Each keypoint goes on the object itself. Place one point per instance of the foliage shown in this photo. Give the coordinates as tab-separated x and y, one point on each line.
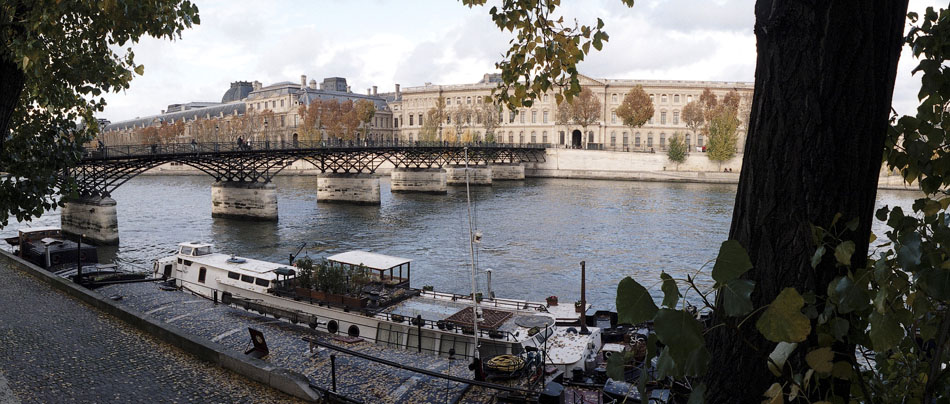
489	114
677	150
461	118
430	126
693	116
883	327
545	53
305	272
313	120
585	109
57	59
722	125
364	111
636	108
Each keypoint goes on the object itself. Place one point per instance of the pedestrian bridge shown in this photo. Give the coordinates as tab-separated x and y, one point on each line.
243	173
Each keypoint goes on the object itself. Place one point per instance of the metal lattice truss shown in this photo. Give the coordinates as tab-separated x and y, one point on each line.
100	175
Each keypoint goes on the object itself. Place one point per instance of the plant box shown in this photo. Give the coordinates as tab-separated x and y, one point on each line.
302	293
334	298
318	295
355	302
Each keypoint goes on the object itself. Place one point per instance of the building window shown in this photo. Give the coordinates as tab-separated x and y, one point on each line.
545	116
613	97
521	137
521	117
511	116
468	100
650	121
662	117
544	137
411	119
689	99
458	100
636	140
652	99
410	138
396	125
511	137
649	140
699	140
663	99
613	116
676	117
676	98
561	136
448	101
534	116
626	139
590	137
613	138
281	103
688	143
534	138
283	120
662	141
545	98
420	119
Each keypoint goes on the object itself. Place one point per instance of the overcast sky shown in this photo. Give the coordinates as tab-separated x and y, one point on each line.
383	42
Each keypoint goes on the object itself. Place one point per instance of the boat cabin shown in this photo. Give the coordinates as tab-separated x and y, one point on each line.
382	268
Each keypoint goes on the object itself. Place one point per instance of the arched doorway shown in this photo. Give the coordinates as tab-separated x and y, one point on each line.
576	139
295	140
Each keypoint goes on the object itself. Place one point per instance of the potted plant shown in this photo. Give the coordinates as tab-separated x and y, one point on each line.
304	277
397	318
478	297
552	301
428	288
578	306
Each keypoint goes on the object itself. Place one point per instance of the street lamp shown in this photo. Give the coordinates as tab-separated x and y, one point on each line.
266	139
215	137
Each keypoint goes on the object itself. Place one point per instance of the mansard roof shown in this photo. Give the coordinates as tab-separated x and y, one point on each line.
189	115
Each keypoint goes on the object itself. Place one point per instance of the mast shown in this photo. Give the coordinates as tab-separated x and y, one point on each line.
471	243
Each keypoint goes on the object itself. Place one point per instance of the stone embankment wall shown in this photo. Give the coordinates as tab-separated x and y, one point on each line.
594	164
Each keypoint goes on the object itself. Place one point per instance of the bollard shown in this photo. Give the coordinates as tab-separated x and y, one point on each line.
333	370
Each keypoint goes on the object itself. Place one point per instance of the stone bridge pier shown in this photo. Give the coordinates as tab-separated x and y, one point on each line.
361	189
421	180
478	175
93	217
244	200
507	171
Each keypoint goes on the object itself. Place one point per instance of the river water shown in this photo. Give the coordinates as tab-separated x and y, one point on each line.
535	232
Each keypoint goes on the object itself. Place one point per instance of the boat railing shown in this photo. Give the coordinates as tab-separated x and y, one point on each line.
510	304
443	326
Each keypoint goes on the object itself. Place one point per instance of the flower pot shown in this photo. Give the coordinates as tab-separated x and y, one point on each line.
552	301
578	308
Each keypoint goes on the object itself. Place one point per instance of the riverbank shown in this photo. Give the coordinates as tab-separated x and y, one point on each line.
590	164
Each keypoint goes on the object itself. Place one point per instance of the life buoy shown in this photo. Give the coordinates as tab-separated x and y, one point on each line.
333	327
56	259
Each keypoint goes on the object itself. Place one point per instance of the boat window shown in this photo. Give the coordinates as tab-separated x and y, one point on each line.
186	250
234	275
187	262
246	278
262	282
179	261
202	273
543	335
203	250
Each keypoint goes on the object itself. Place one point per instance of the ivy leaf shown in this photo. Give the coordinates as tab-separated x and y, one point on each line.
936	282
671	294
698	395
885	333
665	366
783	319
908	254
847	295
843	252
615	366
732	262
839	328
736	297
816	258
841	370
774	394
820	359
779	356
634	303
140	70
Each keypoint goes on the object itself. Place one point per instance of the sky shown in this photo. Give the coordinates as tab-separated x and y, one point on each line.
384	42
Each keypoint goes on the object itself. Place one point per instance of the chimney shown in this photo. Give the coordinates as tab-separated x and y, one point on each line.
303	80
398	94
256	85
369	91
349	89
313	84
374	90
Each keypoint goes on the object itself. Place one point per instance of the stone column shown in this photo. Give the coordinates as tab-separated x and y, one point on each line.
244	200
360	189
507	171
478	175
93	217
424	180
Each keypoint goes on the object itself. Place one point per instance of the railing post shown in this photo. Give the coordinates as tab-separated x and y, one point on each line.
333	370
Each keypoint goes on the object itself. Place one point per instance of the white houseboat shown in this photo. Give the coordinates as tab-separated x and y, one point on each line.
388	311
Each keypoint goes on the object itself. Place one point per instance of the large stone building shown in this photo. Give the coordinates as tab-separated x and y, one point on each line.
271	113
538	124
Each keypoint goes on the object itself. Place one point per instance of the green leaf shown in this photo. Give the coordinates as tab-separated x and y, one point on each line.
140	70
683	337
665	366
634	303
885	333
839	327
816	258
853	224
908	253
847	295
779	356
698	395
783	319
843	252
732	262
671	294
820	359
935	282
615	366
841	370
736	297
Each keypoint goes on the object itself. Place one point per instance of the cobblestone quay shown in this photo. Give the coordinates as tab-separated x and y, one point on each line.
55	349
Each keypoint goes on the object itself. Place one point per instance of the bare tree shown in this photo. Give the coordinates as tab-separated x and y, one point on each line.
461	116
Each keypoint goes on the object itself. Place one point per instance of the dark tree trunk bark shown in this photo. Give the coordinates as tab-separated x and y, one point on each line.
12	80
824	80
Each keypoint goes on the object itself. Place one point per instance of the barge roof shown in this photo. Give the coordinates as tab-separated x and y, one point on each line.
368	259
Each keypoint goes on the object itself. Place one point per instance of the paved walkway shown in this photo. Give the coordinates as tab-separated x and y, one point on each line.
57	349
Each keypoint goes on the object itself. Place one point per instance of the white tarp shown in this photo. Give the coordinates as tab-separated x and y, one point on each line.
368	259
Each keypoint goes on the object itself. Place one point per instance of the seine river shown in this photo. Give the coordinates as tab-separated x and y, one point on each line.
535	232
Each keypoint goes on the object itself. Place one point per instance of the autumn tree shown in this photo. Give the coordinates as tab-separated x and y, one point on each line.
268	125
585	109
364	110
824	80
636	108
56	60
489	114
693	116
722	126
313	119
461	116
430	126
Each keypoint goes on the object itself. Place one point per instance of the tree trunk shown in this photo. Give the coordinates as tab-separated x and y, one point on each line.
824	79
11	85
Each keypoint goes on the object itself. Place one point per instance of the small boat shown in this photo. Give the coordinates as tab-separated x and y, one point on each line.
386	310
46	247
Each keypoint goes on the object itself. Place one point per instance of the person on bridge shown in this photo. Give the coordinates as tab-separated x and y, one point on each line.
240	143
194	145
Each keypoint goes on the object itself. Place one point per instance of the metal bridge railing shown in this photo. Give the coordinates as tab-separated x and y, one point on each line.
142	150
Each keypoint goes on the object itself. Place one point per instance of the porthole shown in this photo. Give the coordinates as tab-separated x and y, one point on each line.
353	331
333	327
